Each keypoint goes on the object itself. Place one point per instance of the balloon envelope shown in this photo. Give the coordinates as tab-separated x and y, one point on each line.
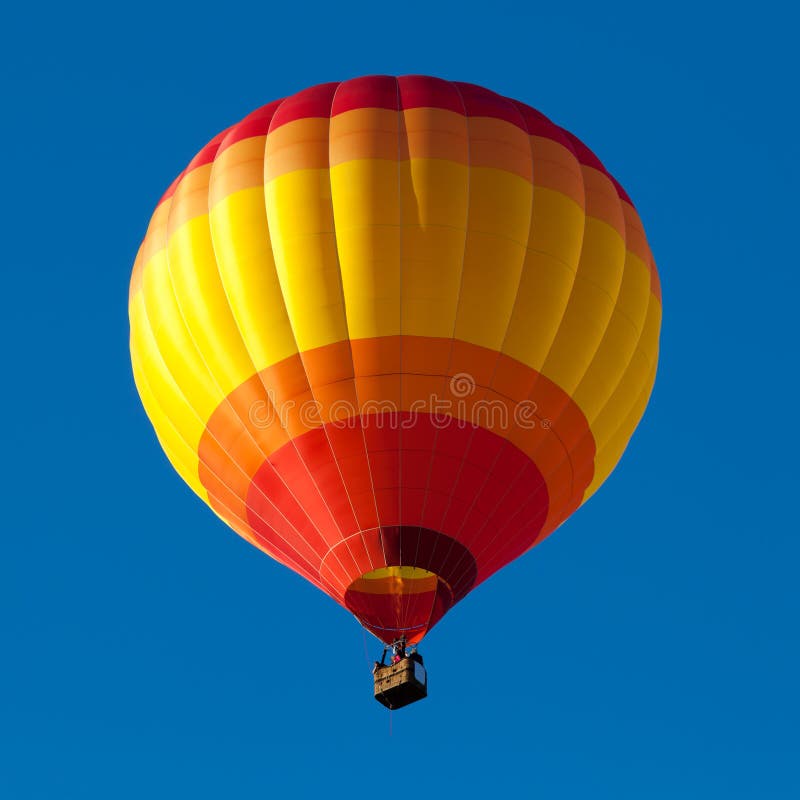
394	331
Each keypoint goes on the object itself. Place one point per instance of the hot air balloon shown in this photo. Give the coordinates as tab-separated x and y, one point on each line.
394	331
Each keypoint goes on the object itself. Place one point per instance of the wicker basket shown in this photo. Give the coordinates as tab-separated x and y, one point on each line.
397	685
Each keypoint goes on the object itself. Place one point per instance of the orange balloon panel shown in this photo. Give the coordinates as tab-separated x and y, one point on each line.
394	331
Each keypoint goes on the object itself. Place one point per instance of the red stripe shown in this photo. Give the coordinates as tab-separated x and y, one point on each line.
255	124
373	91
383	91
537	124
420	91
206	155
623	195
480	102
586	157
313	102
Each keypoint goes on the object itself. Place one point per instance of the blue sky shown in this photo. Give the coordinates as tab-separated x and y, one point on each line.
648	649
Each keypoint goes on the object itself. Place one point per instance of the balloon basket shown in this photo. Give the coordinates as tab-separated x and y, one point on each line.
400	684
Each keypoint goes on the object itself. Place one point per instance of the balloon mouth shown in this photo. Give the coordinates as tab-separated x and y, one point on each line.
417	575
398	601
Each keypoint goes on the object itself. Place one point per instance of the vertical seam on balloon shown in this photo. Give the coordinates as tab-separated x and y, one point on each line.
400	130
554	501
410	601
168	372
614	298
626	270
455	325
444	378
558	329
352	360
555	335
590	432
455	535
637	350
311	389
645	388
610	398
566	310
265	387
505	445
630	415
215	383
